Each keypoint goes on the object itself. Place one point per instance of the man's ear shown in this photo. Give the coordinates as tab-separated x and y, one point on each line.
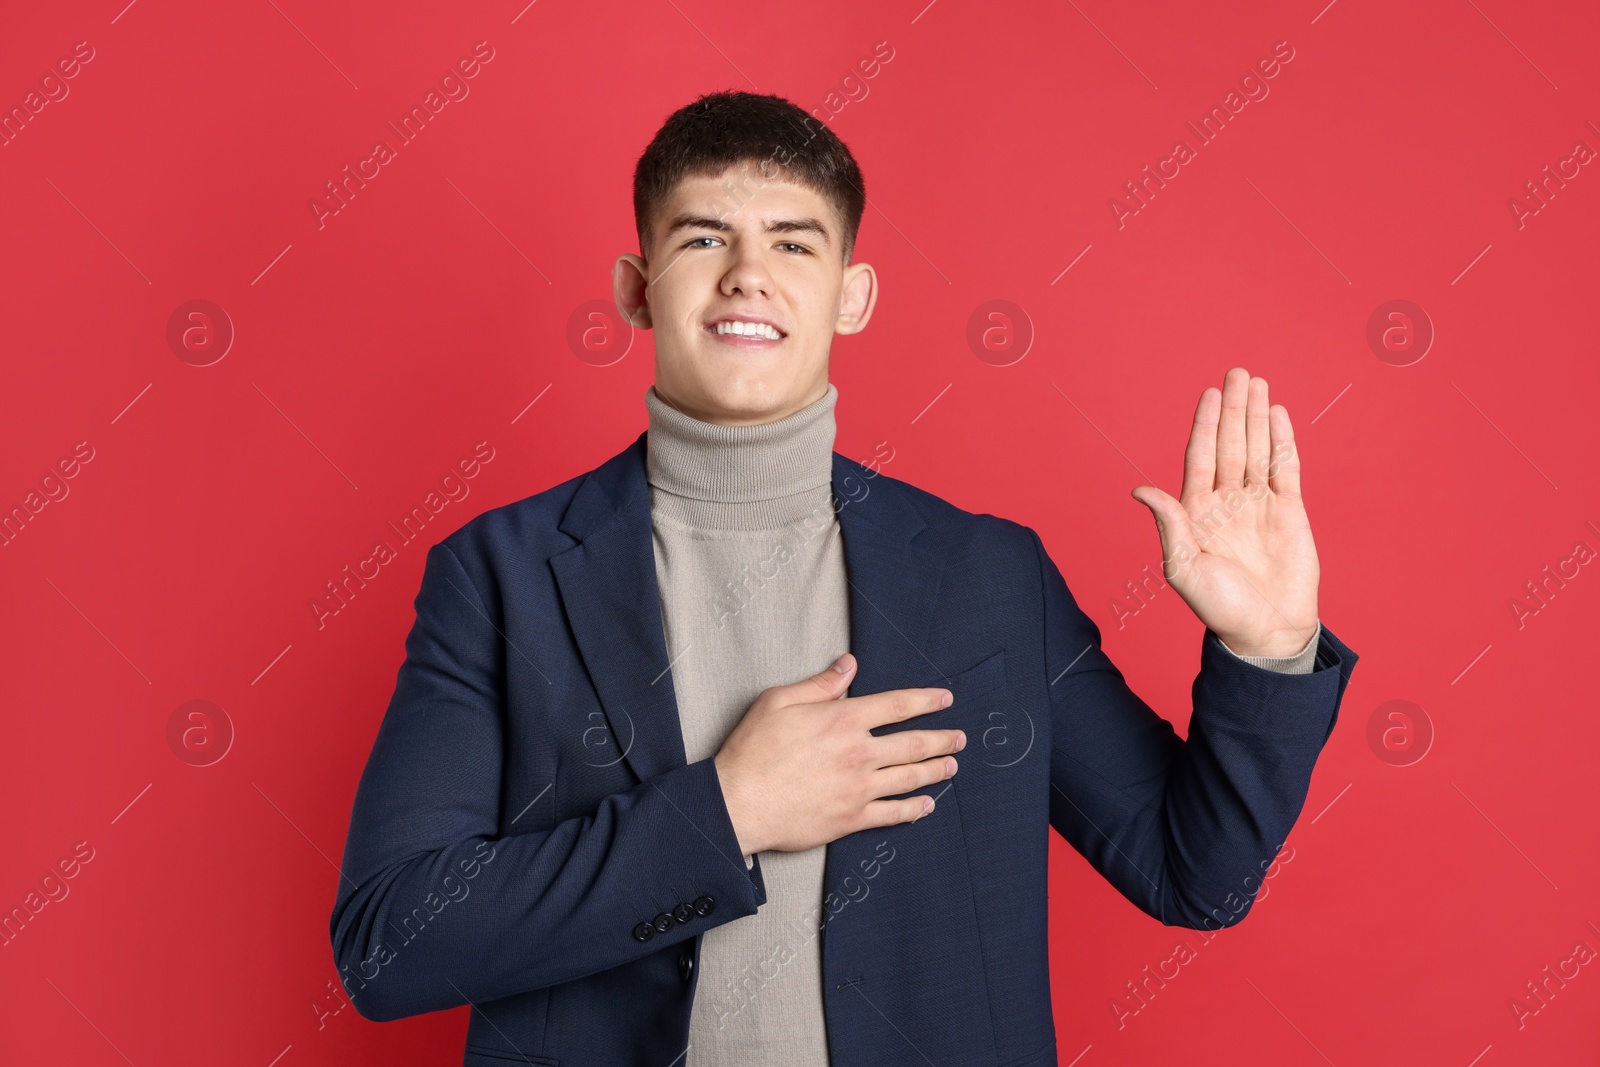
857	298
630	284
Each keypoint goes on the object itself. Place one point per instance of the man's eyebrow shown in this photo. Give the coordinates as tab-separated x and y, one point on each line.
807	224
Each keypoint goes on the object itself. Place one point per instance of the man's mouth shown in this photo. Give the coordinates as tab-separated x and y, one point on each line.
746	333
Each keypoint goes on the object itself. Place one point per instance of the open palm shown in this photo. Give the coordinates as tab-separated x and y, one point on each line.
1237	546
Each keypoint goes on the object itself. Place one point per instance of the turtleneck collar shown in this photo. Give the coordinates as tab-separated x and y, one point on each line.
757	477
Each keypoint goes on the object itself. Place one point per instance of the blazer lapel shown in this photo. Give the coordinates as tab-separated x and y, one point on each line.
893	582
613	605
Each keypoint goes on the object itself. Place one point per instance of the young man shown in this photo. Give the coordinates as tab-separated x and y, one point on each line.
668	776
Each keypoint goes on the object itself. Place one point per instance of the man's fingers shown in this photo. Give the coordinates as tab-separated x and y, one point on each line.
898	705
890	781
1257	435
910	748
829	684
1285	455
1230	429
1200	458
1178	545
891	812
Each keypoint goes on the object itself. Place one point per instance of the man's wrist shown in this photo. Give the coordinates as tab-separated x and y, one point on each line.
1280	644
742	829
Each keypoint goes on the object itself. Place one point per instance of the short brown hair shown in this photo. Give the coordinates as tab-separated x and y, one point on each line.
720	130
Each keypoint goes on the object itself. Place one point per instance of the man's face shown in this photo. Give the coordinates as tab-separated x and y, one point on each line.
738	248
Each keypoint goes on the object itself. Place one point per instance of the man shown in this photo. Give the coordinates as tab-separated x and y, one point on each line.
669	772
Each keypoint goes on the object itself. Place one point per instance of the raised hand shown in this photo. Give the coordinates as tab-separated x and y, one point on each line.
1237	546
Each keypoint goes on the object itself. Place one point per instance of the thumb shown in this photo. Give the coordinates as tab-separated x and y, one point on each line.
1178	545
829	684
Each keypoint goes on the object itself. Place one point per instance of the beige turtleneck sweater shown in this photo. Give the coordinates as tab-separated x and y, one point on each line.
753	594
751	570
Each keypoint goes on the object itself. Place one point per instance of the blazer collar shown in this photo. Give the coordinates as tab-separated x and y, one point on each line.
612	600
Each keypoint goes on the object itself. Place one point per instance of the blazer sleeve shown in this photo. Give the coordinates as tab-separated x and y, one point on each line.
1183	829
436	908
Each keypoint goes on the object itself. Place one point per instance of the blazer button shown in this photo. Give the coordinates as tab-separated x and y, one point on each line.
664	922
644	931
705	905
686	964
683	912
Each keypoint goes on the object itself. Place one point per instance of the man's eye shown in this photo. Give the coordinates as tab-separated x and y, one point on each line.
791	244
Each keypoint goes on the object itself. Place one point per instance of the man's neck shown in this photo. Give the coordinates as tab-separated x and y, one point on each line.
764	474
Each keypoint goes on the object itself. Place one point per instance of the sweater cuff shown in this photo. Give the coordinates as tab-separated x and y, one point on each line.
1299	663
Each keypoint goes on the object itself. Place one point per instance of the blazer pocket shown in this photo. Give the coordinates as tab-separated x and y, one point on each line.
483	1057
982	677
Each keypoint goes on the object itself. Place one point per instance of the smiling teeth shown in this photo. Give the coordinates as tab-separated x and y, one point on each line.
749	329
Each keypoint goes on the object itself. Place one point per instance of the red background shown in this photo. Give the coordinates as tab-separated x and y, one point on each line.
372	353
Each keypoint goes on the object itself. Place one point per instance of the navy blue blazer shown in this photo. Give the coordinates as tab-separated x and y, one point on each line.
528	838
